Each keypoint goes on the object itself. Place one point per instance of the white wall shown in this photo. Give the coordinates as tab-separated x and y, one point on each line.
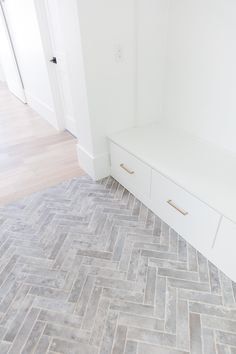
77	81
106	26
26	37
179	67
200	85
186	66
152	20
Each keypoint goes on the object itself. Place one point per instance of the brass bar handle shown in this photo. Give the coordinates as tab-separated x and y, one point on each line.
126	169
181	211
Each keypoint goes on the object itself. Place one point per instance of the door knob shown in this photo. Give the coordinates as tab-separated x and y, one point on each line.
53	60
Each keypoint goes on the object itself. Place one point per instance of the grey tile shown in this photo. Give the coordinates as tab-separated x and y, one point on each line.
86	268
227	291
95	254
150	287
222	349
197	296
85	295
109	334
202	268
160	297
92	308
33	337
78	285
4	347
42	345
192	259
170	319
182	325
214	279
121	294
19	318
120	339
48	293
133	264
226	338
208	341
219	323
187	284
67	333
100	321
213	310
195	334
64	319
53	305
179	274
131	347
130	307
24	331
65	347
132	320
114	283
144	348
151	337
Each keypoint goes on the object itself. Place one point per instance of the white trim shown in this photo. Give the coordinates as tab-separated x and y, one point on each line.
71	125
41	12
97	167
17	90
42	109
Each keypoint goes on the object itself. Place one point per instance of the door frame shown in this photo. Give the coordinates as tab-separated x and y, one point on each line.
42	17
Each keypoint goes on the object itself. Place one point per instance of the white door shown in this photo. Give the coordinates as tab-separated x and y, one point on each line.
8	59
21	17
56	23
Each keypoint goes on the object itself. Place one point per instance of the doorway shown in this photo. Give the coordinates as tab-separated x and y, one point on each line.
9	61
37	71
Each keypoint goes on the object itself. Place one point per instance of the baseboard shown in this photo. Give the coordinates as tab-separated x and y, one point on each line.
42	109
97	167
71	125
16	90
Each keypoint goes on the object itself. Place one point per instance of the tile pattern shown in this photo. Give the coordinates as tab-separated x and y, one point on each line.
87	269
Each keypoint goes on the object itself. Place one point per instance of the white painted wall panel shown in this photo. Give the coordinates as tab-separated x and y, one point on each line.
186	66
152	25
200	84
106	27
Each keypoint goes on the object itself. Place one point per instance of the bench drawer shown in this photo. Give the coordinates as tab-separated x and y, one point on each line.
187	215
129	171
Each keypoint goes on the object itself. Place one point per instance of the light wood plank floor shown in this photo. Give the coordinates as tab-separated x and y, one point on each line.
33	155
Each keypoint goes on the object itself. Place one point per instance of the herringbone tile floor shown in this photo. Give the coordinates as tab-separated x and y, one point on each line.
86	268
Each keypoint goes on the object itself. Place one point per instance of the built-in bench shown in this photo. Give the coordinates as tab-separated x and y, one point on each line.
188	182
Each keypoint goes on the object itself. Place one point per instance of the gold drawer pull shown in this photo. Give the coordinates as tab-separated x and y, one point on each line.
126	169
183	212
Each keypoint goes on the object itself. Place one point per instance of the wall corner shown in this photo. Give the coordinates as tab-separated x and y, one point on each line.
97	167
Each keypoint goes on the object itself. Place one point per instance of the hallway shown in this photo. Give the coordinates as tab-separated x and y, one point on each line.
33	155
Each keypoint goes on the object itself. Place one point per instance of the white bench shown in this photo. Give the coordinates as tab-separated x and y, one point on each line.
186	181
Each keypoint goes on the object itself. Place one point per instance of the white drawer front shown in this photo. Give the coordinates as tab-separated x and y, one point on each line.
224	251
130	172
191	218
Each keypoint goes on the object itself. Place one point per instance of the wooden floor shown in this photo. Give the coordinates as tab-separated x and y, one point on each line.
33	155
